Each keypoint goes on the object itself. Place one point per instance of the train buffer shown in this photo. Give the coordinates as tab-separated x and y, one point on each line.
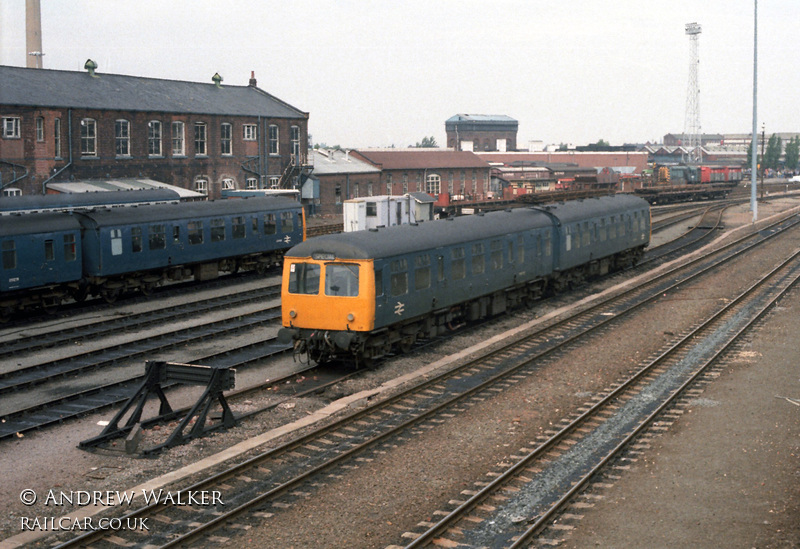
157	375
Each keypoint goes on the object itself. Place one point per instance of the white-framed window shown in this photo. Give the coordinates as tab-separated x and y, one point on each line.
228	184
295	139
201	185
273	140
178	138
88	137
122	137
226	139
11	127
433	184
200	138
39	128
154	138
273	182
57	137
250	132
251	183
12	191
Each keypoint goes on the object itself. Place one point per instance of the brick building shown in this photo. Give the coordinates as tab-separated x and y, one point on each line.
338	176
448	175
65	125
481	132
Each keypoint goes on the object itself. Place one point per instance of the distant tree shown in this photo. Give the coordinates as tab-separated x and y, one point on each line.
602	143
773	153
792	153
563	147
427	143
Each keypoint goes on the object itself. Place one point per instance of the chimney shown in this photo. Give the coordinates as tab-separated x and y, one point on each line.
252	82
33	34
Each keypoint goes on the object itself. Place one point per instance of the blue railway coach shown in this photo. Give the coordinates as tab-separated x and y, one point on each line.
360	294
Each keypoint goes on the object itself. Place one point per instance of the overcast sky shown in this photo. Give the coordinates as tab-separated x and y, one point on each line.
390	73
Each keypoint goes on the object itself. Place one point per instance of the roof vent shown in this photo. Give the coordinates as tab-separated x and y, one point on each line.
217	79
91	66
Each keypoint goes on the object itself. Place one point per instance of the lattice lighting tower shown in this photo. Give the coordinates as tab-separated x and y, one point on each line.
691	127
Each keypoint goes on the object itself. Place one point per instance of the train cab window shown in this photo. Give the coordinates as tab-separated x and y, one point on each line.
304	278
70	252
478	259
9	255
217	230
422	272
269	224
238	227
116	242
399	280
157	237
195	232
341	279
287	222
49	250
496	255
136	239
457	264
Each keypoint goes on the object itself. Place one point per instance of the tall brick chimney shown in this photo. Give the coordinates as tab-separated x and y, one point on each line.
252	82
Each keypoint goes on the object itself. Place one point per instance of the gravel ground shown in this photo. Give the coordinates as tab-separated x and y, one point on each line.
725	475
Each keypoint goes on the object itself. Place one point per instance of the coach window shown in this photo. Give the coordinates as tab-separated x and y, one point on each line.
49	250
70	251
478	259
136	239
287	222
116	241
304	278
458	264
157	237
612	228
439	268
9	255
496	255
238	227
378	282
195	229
217	230
341	279
269	224
568	238
176	234
586	235
422	272
399	278
548	244
577	236
520	250
601	231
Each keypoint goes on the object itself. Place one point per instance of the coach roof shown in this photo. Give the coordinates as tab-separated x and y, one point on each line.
115	92
404	239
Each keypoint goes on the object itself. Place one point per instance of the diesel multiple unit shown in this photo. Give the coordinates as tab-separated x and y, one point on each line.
49	256
363	293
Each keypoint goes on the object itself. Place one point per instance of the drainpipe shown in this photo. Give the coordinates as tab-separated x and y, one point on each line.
69	140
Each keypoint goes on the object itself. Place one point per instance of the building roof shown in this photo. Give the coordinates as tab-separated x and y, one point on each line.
422	159
481	118
331	161
121	184
71	89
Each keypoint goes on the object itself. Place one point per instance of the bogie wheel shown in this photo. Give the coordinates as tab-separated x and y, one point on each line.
110	295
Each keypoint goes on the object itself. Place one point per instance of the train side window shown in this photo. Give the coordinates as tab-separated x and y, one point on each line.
304	278
622	222
9	254
238	227
176	234
378	282
478	259
520	250
217	230
195	229
287	222
399	279
548	244
568	238
538	245
578	236
603	233
136	239
70	253
157	237
49	250
269	224
254	224
116	242
457	264
612	228
586	235
439	268
341	279
496	255
422	272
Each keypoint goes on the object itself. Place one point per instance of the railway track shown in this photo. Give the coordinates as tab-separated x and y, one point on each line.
265	483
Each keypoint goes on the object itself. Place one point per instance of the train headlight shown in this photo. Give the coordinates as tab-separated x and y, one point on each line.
293	313
351	317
